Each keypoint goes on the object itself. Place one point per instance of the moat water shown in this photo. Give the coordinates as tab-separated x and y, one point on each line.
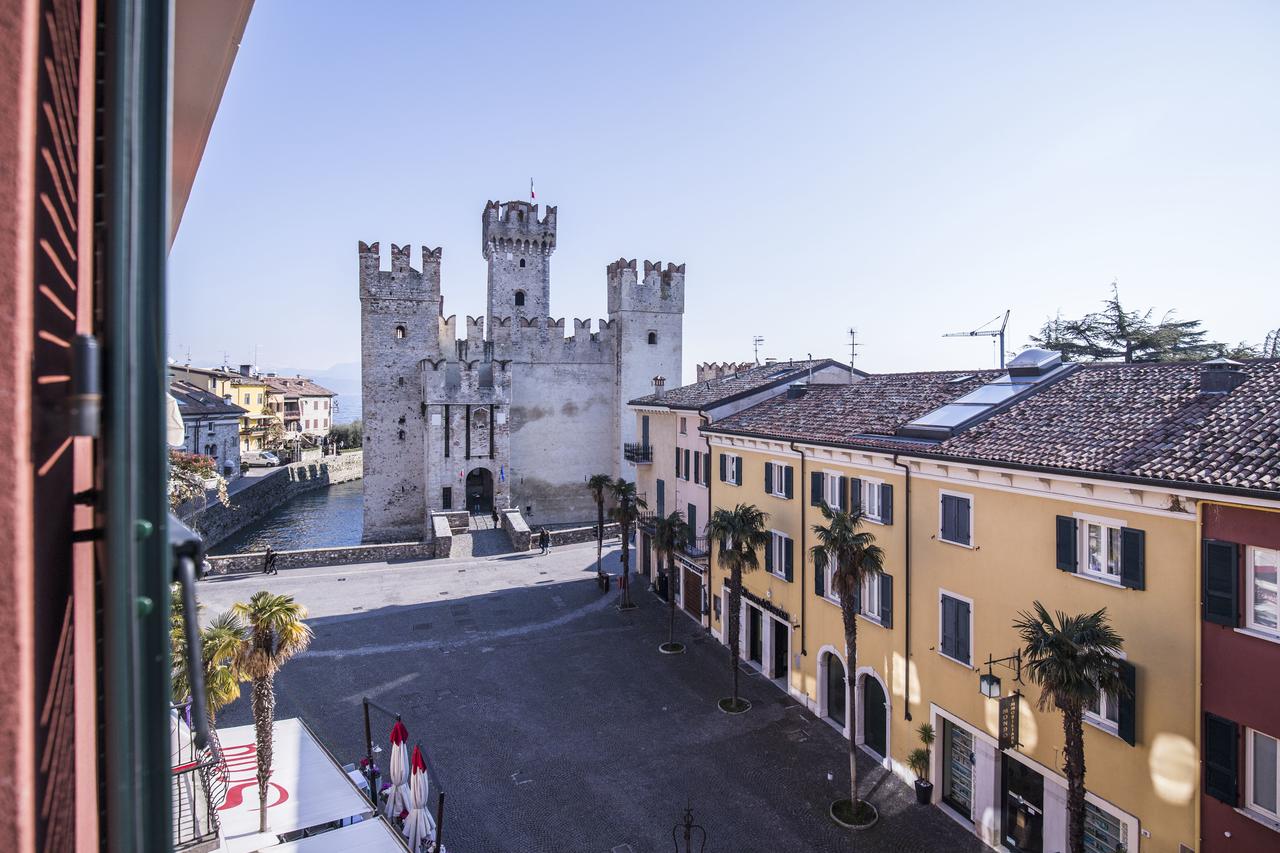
325	518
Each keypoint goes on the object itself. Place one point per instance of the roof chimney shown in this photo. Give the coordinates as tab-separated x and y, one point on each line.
658	383
246	370
795	390
768	362
1221	376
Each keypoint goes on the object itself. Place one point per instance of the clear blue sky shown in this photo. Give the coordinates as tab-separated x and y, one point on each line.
908	169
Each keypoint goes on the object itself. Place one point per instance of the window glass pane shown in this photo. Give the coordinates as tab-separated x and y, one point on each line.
871	596
1264	610
1094	547
871	499
1264	772
1113	551
1103	833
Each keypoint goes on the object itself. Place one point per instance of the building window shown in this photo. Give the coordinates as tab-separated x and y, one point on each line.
653	338
779	555
731	469
956	519
870	596
829	591
684	426
778	479
872	503
686	464
1100	550
1262	772
1263	611
1103	832
259	399
401	332
833	490
519	298
446	497
1104	712
522	263
955	624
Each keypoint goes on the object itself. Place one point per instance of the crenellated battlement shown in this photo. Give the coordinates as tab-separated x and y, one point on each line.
659	290
475	381
401	281
514	227
716	370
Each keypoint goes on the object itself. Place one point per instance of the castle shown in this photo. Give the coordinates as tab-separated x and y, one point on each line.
511	413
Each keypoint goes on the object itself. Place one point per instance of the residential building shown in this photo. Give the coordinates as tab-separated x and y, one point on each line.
1080	486
244	388
305	407
212	425
673	457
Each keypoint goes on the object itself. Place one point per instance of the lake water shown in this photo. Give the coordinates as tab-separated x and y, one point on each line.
325	518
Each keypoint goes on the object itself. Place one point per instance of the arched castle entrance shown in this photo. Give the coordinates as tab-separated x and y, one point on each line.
480	490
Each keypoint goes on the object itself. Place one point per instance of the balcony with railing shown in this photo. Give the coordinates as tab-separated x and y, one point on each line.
199	785
640	454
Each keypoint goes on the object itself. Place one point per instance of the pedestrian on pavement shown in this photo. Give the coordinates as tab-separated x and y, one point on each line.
495	518
202	570
544	539
269	562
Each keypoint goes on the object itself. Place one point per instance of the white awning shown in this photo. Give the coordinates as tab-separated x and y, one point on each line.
307	789
370	836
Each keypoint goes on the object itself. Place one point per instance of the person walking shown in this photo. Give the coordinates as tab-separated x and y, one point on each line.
495	518
544	539
269	562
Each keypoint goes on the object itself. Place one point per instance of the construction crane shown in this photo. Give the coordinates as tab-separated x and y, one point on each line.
983	331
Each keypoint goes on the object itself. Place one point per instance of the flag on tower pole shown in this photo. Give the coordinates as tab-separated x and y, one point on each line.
532	195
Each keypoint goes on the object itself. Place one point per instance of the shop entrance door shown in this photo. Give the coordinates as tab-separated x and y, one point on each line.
755	638
873	716
781	648
1023	807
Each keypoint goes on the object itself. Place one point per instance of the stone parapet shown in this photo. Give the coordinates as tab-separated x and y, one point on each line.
247	564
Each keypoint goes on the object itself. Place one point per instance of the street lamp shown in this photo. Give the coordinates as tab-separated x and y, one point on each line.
989	685
989	682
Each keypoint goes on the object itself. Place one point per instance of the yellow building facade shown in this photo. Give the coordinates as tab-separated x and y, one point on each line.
946	607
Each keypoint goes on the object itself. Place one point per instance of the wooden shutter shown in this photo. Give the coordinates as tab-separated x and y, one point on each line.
815	488
855	495
706	467
677	463
662	495
819	579
1128	717
886	600
768	553
948	518
768	478
842	491
1068	542
788	481
886	503
962	521
948	617
693	521
697	467
686	463
962	631
724	468
788	552
1220	568
1133	558
1221	759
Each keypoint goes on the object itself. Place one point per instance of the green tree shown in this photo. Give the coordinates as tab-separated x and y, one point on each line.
276	632
738	534
626	513
856	557
670	534
1073	659
600	484
220	644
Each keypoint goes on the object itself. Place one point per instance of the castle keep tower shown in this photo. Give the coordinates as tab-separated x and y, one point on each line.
518	247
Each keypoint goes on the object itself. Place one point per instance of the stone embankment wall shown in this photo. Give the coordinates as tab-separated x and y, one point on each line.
216	522
517	530
244	564
572	535
442	533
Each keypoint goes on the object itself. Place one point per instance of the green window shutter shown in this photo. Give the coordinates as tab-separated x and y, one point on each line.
962	631
768	478
1128	716
886	600
1068	542
677	463
962	521
724	466
842	491
737	470
948	617
819	580
706	467
1220	568
788	481
1221	759
697	467
855	495
686	463
1133	558
815	488
768	554
788	552
886	503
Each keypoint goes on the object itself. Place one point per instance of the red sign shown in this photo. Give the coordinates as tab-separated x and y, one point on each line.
242	772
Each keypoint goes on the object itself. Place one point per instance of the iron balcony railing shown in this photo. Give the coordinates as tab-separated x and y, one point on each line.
199	785
699	548
641	454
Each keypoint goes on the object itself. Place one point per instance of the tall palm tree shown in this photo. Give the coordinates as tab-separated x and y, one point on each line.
626	513
739	535
1074	659
670	534
277	632
220	645
599	484
856	556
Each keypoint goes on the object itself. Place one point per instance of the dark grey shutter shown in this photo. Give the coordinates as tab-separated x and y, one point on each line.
768	478
962	631
1220	562
677	463
788	481
788	553
1128	717
886	503
815	488
1133	558
706	467
662	495
948	617
948	518
768	554
724	468
886	600
819	580
1068	541
697	467
855	495
1221	759
686	463
693	521
962	521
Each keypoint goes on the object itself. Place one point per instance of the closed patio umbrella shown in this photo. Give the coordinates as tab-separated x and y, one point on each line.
398	774
416	828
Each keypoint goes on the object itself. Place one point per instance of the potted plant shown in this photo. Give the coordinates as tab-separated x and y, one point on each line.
918	761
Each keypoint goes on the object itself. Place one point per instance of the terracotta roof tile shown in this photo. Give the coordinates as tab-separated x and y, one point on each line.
709	392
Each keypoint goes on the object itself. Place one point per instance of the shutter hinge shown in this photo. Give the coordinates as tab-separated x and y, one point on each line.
93	534
84	408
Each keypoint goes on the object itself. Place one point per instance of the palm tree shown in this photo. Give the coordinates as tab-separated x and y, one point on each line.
856	557
626	513
670	534
1074	659
599	484
739	534
277	632
220	645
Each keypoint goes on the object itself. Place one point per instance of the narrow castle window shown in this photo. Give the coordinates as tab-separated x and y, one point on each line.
400	332
653	338
522	263
520	294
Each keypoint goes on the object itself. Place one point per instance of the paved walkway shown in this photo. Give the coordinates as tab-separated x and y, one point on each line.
555	723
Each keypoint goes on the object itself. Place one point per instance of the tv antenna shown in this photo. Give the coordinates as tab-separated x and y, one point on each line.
983	331
755	345
853	350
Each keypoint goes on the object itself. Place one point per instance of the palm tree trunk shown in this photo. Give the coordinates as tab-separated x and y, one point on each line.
671	599
1073	729
264	711
625	530
735	609
850	618
599	532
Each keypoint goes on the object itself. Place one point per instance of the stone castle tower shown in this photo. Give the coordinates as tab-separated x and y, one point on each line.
508	411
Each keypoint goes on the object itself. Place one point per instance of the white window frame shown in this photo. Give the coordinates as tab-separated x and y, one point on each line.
1111	527
830	487
779	479
1250	577
779	552
733	469
870	588
949	594
829	576
967	497
1249	804
684	426
870	487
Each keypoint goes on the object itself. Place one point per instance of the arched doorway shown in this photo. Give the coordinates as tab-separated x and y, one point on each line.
837	707
874	716
480	491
